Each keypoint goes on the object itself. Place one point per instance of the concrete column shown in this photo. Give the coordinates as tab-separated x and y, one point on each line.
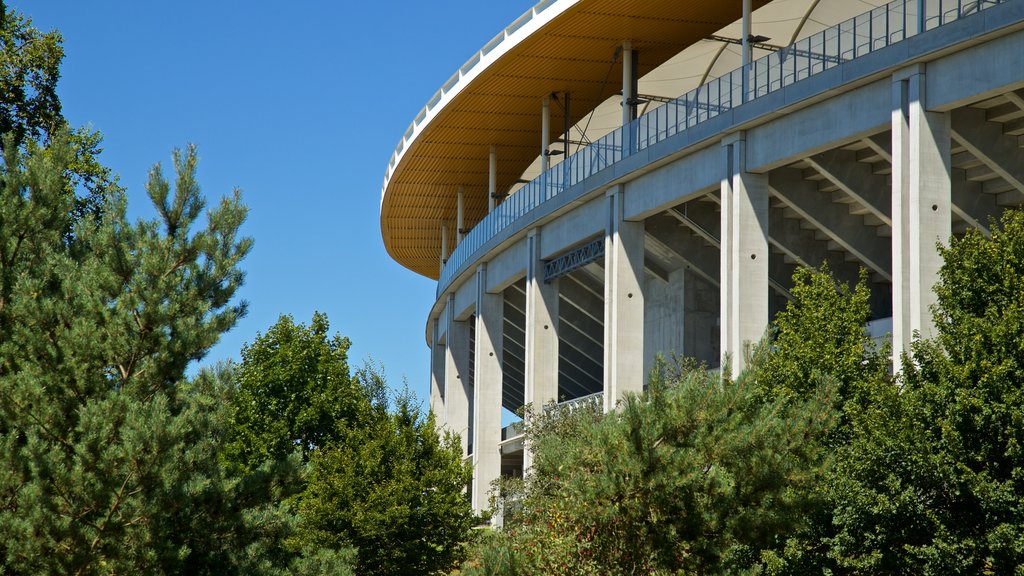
744	254
460	222
664	316
492	179
541	379
702	338
487	391
456	372
623	303
921	207
437	362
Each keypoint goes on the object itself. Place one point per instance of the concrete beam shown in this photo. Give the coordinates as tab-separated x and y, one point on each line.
577	296
986	141
437	362
855	179
969	200
456	374
799	244
689	247
834	220
971	203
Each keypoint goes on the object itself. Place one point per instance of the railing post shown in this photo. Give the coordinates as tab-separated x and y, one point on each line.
745	60
628	98
444	246
460	201
545	139
492	179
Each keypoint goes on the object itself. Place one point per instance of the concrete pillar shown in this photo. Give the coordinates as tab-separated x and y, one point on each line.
456	374
460	221
664	317
437	362
487	391
702	338
921	206
744	254
623	303
541	379
492	179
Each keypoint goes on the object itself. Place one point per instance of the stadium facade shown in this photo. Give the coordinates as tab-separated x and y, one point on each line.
607	180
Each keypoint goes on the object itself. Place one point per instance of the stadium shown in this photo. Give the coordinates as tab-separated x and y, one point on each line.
609	180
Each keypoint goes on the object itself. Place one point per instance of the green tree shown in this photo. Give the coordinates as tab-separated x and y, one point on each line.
933	483
108	463
392	487
294	391
698	477
821	334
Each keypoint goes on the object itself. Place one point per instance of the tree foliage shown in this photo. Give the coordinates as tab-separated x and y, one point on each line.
698	477
392	487
820	335
106	463
704	475
380	480
31	111
934	481
294	390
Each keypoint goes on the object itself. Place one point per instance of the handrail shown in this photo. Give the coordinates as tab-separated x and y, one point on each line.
848	40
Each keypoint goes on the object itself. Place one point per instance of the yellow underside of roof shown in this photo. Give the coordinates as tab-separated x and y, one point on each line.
501	107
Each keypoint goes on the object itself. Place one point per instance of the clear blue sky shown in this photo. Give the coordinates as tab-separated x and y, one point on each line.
298	104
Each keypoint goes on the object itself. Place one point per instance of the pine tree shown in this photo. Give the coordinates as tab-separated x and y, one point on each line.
699	477
108	464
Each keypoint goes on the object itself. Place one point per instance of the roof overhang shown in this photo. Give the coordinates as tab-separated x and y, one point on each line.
559	46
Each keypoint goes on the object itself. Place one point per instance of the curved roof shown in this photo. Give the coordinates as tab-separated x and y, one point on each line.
559	46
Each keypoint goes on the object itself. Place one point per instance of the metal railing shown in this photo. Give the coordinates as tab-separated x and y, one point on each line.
846	41
569	406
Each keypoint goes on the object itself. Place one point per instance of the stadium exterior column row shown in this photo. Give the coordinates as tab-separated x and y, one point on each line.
921	216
